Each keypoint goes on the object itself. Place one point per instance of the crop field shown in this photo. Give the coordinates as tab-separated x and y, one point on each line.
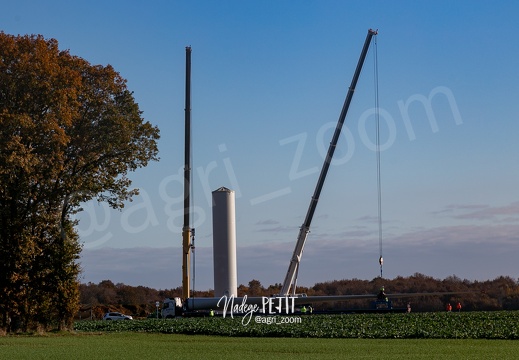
477	335
503	325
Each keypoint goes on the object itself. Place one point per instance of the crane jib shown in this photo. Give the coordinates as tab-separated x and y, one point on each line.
290	278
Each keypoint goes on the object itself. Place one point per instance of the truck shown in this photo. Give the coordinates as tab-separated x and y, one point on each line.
171	308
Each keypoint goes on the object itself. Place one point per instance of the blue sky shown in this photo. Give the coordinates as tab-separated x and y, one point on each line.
268	82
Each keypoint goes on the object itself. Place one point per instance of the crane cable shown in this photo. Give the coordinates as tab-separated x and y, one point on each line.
379	186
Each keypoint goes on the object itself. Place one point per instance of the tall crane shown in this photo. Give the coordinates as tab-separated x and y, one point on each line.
187	232
291	278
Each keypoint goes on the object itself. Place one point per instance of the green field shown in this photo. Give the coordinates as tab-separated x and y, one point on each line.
472	335
498	325
128	345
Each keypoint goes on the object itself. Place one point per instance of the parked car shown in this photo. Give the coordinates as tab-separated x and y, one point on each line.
116	316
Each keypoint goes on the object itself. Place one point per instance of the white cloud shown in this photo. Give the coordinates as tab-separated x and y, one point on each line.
482	212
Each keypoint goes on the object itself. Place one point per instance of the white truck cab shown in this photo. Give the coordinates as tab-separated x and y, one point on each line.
171	308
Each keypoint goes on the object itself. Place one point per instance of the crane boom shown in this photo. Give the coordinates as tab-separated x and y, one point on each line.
291	277
186	229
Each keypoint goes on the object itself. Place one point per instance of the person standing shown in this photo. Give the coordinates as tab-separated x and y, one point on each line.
382	295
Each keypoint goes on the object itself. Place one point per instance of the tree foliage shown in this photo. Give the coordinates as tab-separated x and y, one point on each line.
69	132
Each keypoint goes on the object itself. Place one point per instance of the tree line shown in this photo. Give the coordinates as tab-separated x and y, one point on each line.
501	293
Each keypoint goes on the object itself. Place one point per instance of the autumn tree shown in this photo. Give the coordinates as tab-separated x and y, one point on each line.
70	132
255	288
